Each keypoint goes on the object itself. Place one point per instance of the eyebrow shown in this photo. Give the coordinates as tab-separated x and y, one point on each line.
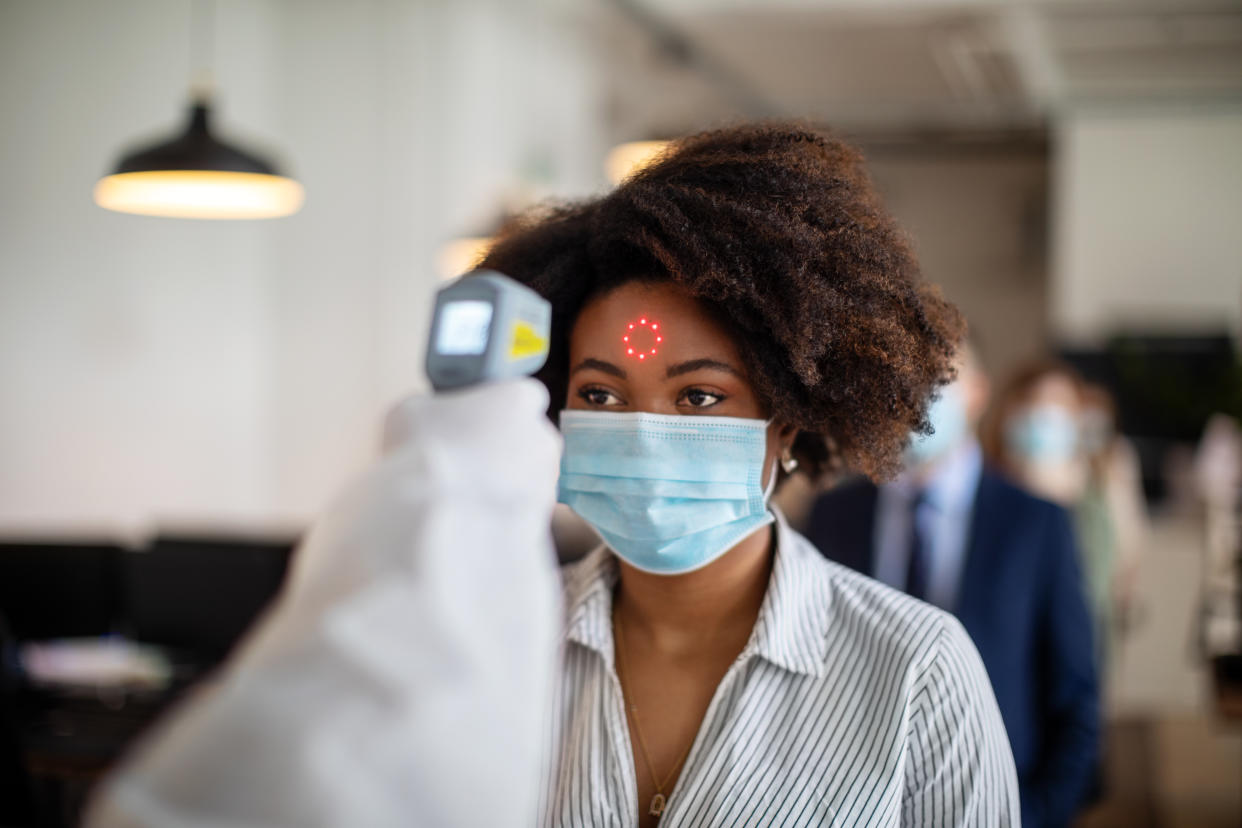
677	370
700	365
598	365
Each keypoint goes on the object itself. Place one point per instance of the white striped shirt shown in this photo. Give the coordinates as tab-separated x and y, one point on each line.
852	704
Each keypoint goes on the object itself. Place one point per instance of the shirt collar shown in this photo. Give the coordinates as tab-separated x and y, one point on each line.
791	630
952	483
588	601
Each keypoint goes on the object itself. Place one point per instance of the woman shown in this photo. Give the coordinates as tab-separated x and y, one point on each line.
1035	431
741	308
1056	435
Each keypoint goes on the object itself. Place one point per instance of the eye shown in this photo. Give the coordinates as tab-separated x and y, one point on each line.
698	398
595	395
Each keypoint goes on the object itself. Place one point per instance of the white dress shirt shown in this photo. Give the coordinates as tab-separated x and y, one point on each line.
944	518
851	705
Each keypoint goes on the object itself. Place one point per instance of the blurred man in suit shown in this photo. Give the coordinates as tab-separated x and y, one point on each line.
955	534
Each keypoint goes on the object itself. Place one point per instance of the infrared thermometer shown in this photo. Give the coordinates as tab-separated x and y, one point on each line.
486	327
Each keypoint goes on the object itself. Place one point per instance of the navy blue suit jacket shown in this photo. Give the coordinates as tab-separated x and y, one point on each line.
1023	603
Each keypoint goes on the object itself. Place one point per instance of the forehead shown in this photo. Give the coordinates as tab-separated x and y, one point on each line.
684	325
1056	389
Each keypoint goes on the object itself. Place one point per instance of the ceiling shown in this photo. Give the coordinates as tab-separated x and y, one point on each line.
918	66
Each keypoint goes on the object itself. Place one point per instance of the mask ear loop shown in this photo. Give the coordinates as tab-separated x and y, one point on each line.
789	465
771	487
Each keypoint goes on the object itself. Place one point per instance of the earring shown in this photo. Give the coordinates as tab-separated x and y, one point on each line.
788	463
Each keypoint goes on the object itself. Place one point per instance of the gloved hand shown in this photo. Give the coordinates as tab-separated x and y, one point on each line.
403	675
488	448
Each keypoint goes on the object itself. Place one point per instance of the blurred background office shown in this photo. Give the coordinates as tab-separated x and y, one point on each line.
179	397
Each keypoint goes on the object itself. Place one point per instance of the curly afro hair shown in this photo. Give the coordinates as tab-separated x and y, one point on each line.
777	230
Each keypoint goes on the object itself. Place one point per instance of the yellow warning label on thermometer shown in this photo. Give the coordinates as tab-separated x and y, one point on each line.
526	341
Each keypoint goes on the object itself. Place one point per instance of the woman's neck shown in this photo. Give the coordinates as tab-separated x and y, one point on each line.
686	614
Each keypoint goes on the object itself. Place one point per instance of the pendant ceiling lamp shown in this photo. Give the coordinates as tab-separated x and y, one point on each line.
462	255
196	175
626	159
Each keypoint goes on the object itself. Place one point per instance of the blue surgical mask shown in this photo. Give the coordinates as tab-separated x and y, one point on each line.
1043	434
947	415
668	494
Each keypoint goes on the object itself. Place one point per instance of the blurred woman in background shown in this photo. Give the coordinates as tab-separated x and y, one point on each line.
1057	436
1115	494
1035	432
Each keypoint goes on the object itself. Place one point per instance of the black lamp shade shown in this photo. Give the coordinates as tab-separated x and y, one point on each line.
194	175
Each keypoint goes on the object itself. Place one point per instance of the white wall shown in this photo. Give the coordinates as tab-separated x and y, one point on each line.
1148	229
157	369
134	368
977	222
413	125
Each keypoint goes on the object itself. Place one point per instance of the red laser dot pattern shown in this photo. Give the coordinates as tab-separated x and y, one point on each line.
642	353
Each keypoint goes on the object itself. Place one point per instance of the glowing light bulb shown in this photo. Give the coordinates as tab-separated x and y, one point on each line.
204	194
462	255
626	159
629	350
642	356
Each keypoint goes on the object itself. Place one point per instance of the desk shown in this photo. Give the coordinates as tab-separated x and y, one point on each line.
71	737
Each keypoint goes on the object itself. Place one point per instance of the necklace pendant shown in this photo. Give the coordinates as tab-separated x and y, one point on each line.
657	805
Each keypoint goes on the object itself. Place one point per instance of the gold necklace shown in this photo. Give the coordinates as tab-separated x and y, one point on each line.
659	801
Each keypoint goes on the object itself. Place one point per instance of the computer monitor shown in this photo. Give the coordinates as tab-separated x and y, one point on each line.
59	589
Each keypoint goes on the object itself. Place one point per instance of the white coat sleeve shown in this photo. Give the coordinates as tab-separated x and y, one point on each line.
402	676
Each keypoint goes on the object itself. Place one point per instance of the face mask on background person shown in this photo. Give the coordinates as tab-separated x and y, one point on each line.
947	415
668	494
1043	434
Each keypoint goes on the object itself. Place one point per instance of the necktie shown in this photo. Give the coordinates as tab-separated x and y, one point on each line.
916	569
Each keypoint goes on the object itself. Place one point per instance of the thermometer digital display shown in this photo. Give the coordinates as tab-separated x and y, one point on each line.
486	327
